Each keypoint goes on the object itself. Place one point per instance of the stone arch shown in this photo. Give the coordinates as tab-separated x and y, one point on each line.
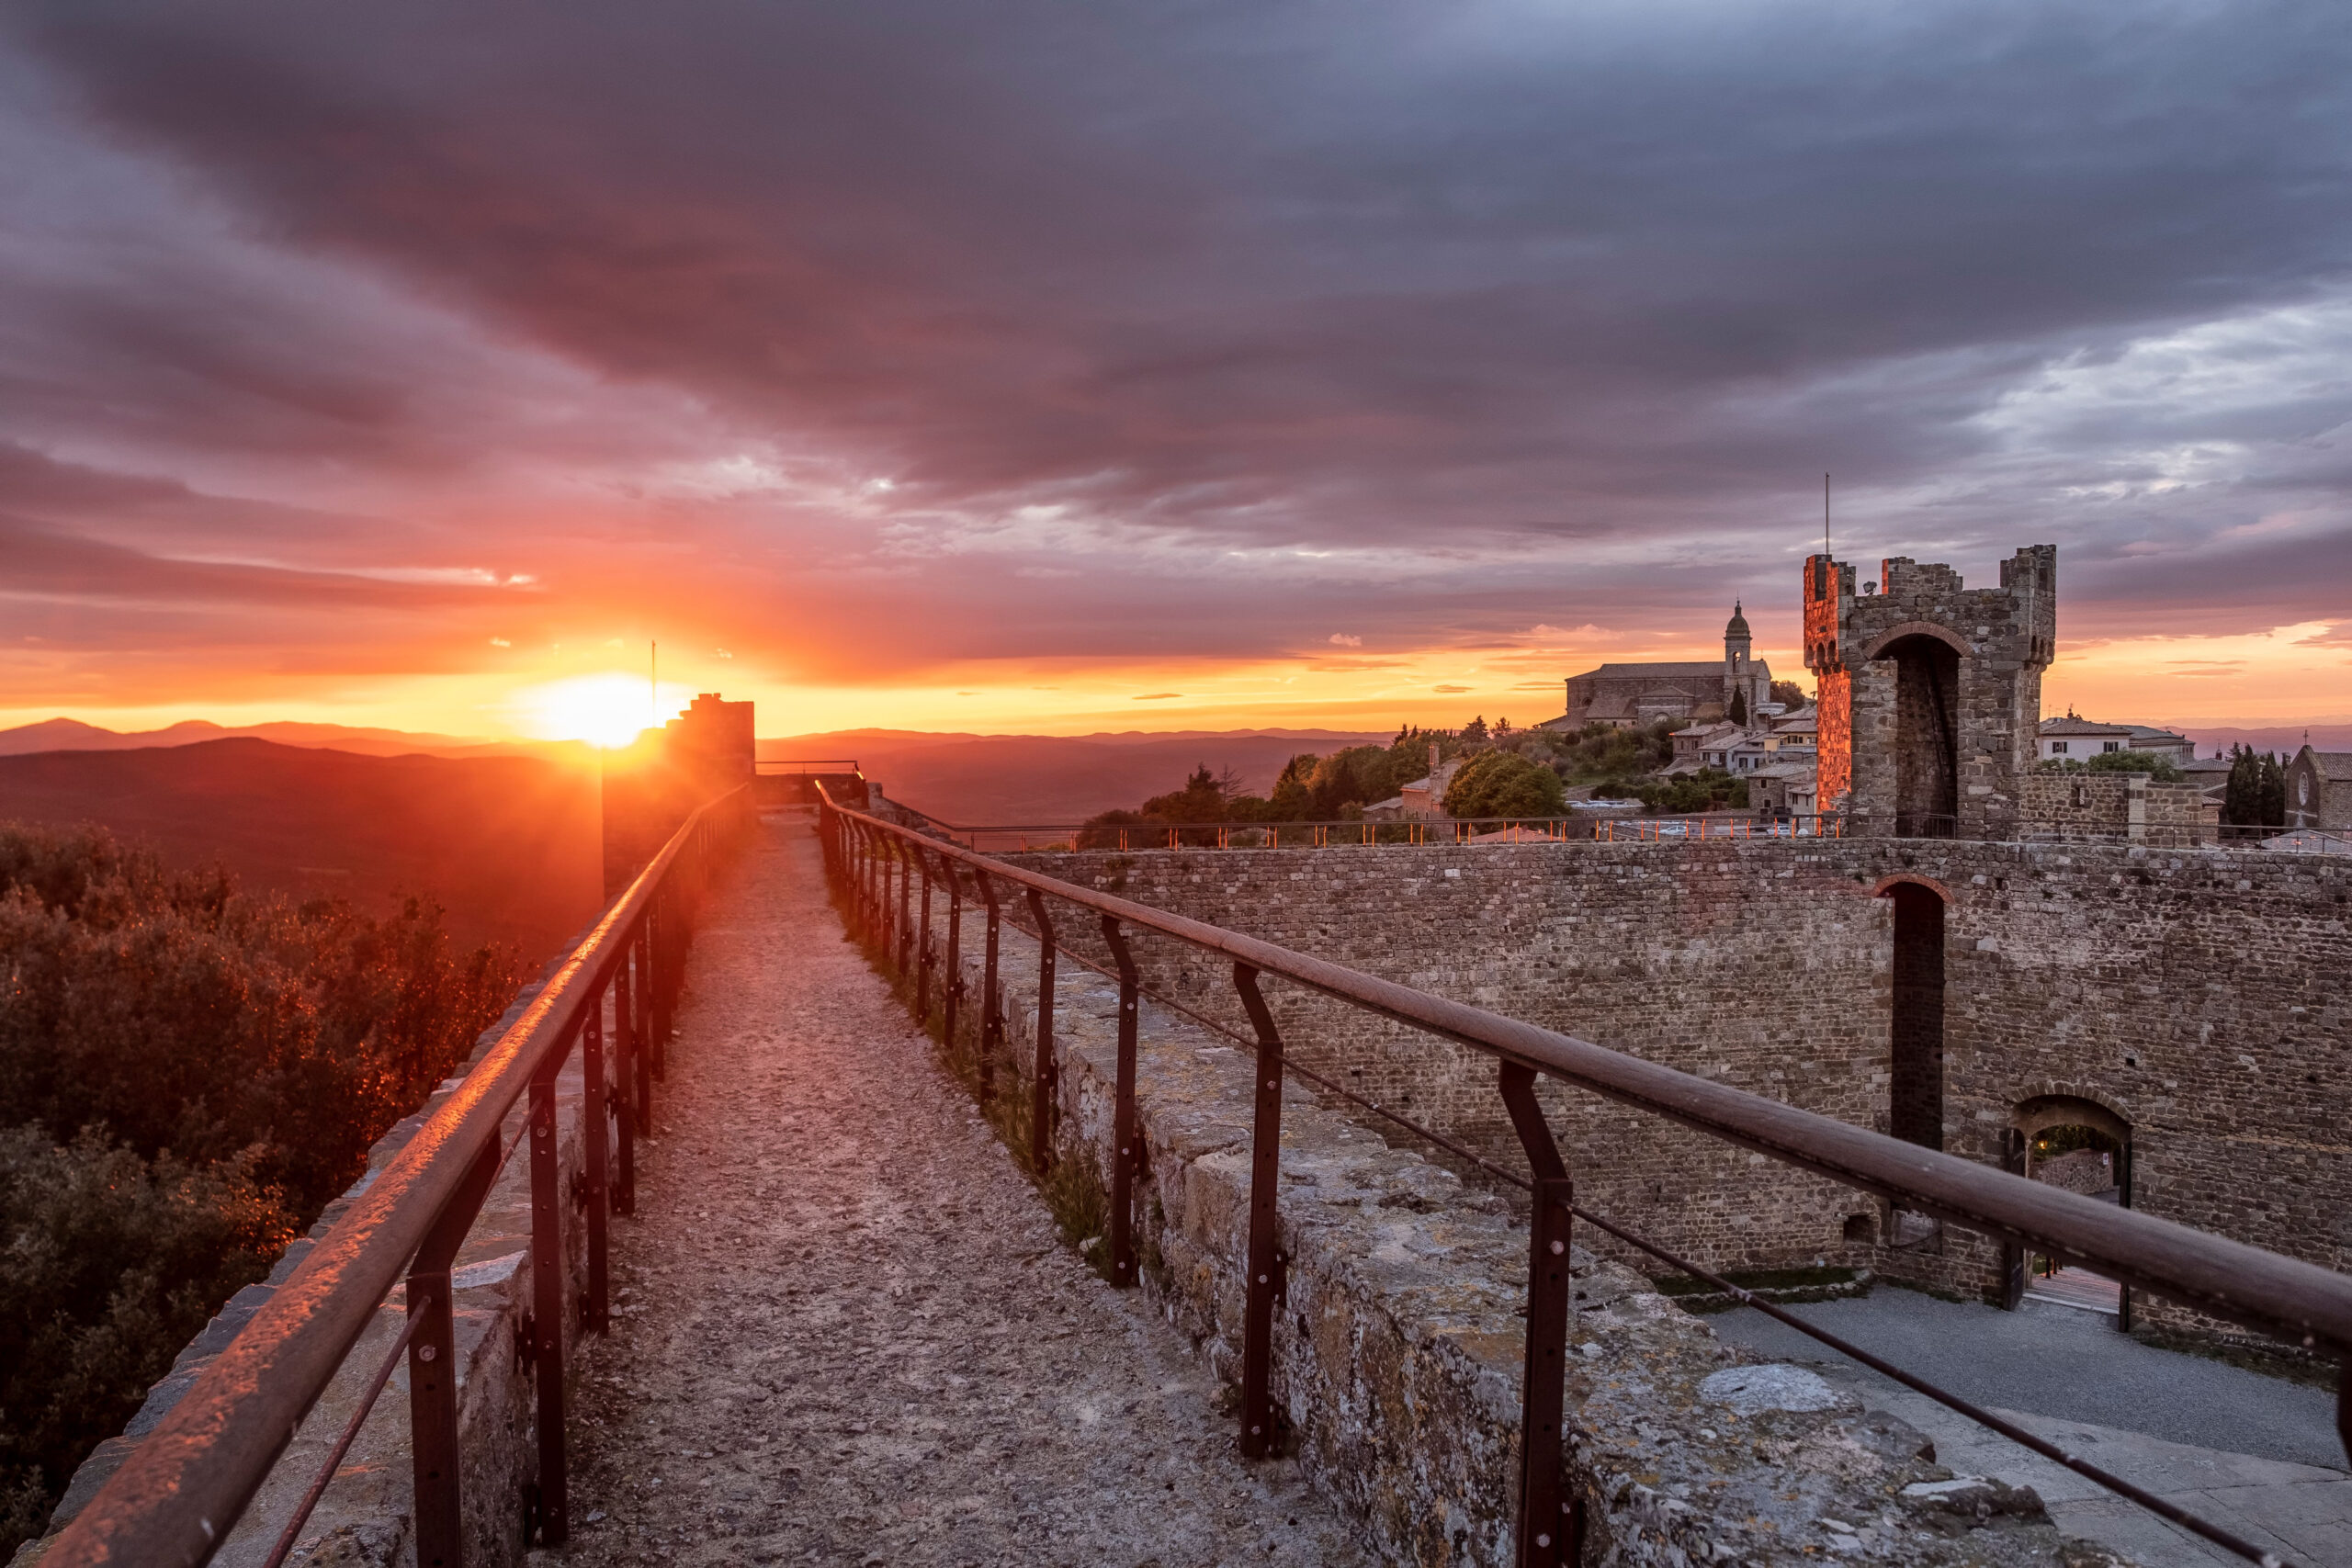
1915	1017
1901	629
2043	1112
1927	661
2065	1106
1917	879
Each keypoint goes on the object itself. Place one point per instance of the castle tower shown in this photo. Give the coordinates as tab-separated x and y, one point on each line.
1929	693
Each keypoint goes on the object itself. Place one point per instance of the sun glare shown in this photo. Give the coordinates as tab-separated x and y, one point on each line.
604	710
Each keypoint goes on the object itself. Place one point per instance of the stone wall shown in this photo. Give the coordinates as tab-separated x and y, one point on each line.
2131	806
1398	1348
2200	996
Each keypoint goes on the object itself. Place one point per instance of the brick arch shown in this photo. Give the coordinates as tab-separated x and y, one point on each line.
1888	883
2070	1106
1896	633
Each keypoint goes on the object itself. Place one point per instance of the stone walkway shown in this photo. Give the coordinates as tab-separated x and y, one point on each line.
845	1329
2253	1454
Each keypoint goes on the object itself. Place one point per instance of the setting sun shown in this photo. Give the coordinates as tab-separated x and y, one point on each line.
605	710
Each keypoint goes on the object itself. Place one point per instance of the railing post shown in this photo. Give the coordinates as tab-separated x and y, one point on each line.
547	1303
1266	1280
905	932
992	998
641	956
952	982
628	1109
923	946
1041	1092
433	1373
594	1304
1551	1528
1123	1133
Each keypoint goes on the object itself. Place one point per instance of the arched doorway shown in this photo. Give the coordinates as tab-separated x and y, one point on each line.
1926	736
1915	1027
2083	1147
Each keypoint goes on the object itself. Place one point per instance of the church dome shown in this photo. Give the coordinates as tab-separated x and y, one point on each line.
1737	626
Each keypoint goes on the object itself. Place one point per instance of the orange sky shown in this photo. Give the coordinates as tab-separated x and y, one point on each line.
2288	674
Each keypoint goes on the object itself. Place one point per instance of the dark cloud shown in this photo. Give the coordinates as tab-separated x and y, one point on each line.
1175	329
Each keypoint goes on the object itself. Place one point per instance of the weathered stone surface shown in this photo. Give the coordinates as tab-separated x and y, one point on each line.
1398	1345
2200	996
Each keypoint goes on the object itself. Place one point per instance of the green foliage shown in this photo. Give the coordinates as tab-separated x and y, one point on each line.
2163	769
2158	767
1738	714
1505	784
1601	750
1709	789
190	1075
111	1264
1790	695
2256	794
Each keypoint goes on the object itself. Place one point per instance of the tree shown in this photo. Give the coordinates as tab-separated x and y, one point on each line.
1740	706
2256	794
2271	797
112	1265
2239	806
1474	732
1790	695
1504	784
192	1074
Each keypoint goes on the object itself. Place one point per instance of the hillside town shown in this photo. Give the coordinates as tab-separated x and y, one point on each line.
1728	738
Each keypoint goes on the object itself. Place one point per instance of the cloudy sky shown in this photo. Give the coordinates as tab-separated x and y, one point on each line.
997	365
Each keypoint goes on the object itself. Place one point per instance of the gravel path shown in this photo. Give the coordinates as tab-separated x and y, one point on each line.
847	1331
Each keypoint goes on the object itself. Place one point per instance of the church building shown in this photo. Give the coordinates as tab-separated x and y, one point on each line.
1627	695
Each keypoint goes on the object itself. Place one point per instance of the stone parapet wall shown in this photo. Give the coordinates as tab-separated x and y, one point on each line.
2200	996
1399	1347
2132	808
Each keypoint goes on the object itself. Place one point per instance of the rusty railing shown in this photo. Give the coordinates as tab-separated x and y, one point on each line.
885	874
182	1489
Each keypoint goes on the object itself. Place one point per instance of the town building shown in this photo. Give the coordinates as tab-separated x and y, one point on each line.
2319	789
1424	798
1628	696
2073	739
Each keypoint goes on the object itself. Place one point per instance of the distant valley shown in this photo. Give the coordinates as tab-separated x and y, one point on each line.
508	844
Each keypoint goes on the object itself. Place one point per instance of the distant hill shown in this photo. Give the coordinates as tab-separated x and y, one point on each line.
1048	779
508	844
72	735
2286	739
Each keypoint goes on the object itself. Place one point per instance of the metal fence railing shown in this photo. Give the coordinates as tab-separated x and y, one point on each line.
182	1489
1360	832
887	872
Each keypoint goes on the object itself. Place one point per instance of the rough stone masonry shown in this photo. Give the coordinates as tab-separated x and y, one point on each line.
2197	998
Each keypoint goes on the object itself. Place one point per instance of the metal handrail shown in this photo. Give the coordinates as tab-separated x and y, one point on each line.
2237	1281
2213	1274
182	1489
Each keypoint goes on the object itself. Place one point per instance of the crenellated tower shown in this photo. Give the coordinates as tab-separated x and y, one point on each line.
1929	692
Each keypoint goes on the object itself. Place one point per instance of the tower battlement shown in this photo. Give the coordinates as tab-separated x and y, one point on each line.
1929	691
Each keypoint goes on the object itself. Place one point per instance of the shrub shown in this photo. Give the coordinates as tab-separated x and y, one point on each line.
192	1074
109	1264
1504	784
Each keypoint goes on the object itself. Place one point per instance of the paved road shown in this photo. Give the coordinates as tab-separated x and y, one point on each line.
850	1333
2250	1453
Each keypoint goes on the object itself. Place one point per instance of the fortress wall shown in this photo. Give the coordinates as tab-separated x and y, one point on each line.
2200	994
1397	1346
